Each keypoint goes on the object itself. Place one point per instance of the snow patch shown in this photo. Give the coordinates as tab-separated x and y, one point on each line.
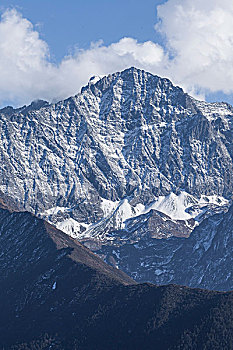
94	79
72	227
55	211
108	206
176	206
115	213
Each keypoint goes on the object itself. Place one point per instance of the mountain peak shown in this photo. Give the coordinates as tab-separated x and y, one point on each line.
137	85
131	75
93	163
34	106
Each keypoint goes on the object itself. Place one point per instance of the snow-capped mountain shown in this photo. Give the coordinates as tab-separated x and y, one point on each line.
130	155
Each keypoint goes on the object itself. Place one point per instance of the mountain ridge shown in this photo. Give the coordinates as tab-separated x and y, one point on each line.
51	299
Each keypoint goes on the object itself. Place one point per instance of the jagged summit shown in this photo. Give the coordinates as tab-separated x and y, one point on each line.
134	80
34	105
37	104
135	74
138	76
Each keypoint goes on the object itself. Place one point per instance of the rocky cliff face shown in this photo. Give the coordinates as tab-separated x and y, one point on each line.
129	134
131	155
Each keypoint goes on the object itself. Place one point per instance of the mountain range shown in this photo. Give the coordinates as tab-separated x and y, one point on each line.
135	169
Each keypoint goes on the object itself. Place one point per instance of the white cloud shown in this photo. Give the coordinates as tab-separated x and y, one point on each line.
199	36
75	71
197	54
23	57
27	73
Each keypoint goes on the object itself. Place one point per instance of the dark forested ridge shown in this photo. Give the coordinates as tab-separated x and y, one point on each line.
56	294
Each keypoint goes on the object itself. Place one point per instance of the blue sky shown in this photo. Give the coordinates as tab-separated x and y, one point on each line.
66	24
49	49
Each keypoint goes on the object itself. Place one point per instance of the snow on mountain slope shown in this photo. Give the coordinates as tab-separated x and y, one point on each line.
182	207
